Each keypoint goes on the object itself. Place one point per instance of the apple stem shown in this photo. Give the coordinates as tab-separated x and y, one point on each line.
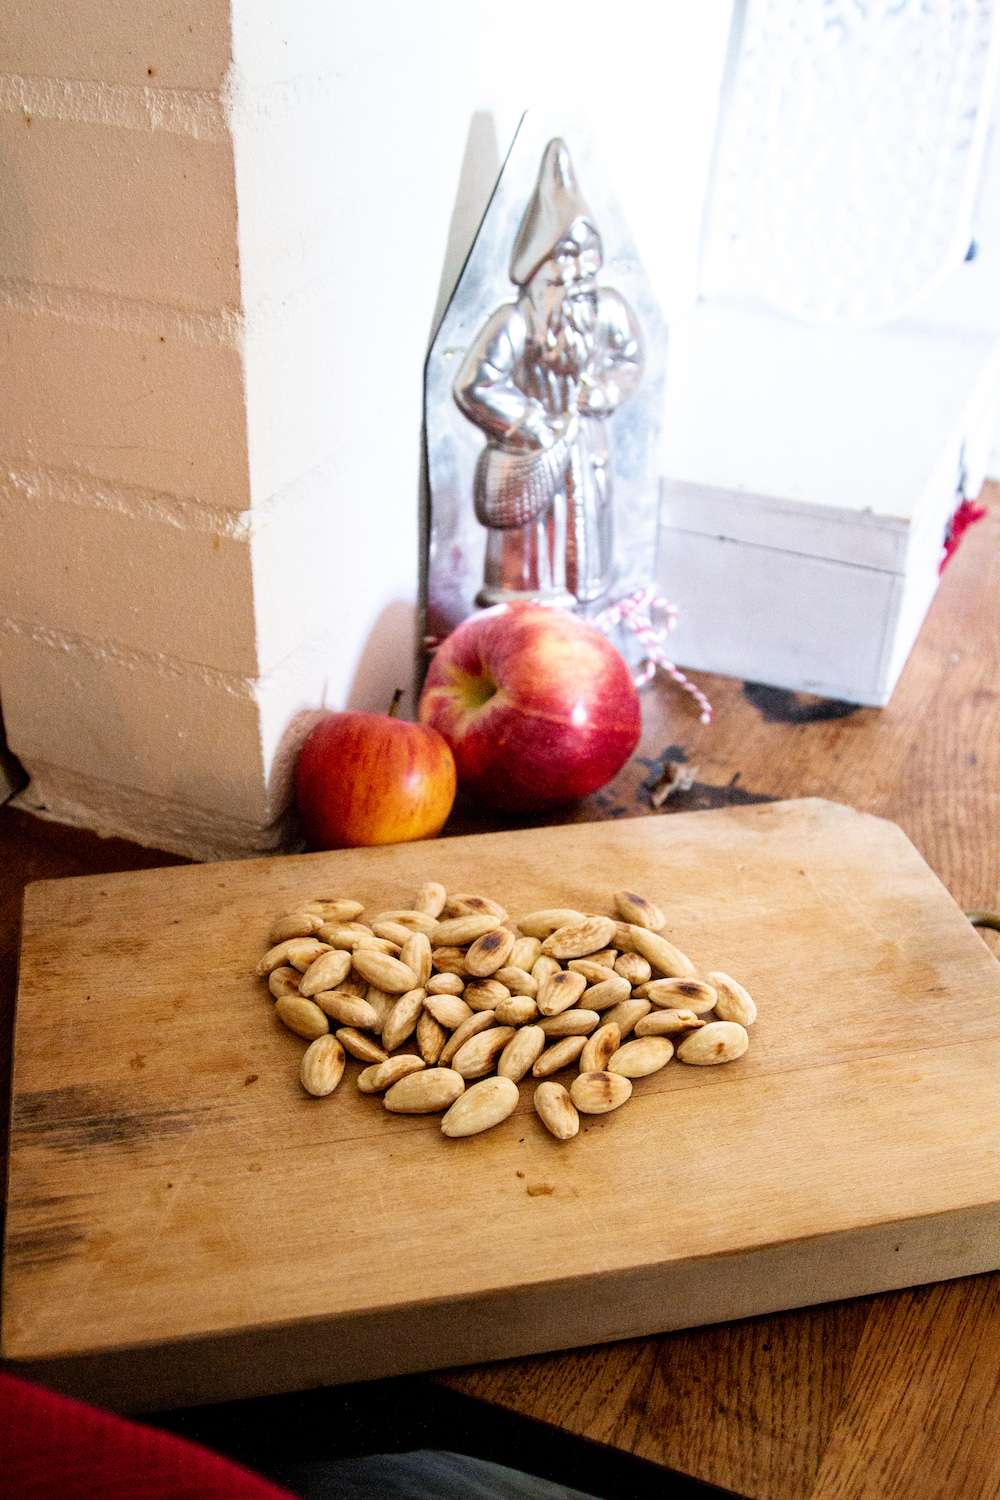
394	705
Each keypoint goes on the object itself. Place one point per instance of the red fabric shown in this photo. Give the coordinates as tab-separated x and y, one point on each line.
53	1448
965	516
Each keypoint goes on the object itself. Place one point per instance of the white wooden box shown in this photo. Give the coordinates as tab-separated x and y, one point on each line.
810	477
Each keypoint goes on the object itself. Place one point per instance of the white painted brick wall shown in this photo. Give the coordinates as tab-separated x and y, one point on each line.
218	282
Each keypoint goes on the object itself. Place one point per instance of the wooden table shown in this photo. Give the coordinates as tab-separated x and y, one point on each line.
891	1396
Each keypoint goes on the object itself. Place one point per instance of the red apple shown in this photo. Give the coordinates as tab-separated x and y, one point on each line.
365	778
538	706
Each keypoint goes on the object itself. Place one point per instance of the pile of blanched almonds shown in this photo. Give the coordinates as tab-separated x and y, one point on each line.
481	1002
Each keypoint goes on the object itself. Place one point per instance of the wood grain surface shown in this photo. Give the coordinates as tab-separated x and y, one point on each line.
891	1395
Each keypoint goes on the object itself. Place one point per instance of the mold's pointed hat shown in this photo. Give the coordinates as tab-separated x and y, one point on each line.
556	209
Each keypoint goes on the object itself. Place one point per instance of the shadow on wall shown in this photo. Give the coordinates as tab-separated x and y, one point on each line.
386	663
477	179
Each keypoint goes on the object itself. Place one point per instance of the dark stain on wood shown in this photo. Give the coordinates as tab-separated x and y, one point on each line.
56	1235
75	1118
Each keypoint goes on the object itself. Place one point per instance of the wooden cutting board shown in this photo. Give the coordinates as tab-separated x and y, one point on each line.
186	1225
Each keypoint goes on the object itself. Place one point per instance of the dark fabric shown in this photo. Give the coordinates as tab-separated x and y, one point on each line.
425	1475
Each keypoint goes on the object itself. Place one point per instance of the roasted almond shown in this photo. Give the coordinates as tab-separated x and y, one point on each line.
444	984
624	938
633	967
593	973
381	1003
517	981
338	909
377	945
521	1052
667	1023
326	973
283	981
431	1037
539	924
448	1010
322	1066
401	1021
348	1010
430	899
626	1013
475	906
343	934
457	931
485	994
559	1055
525	952
450	961
302	1016
572	1022
556	1110
598	1093
559	992
388	973
425	1093
718	1042
411	919
384	1075
478	1055
605	957
639	912
297	924
609	992
296	953
684	994
733	1002
489	952
543	967
307	904
481	1107
481	1020
416	955
600	1048
645	1055
579	938
516	1010
662	955
392	932
360	1046
354	985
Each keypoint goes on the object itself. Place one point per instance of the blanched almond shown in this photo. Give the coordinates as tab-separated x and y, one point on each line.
360	1046
662	955
572	1022
624	938
338	909
416	955
430	899
481	1107
683	994
667	1023
298	924
476	906
609	992
517	981
410	918
322	1066
579	938
598	1093
425	1093
626	1013
600	1048
431	1037
489	952
718	1042
377	945
384	1075
633	967
302	1016
556	1110
639	912
525	952
478	1055
545	966
393	932
593	972
733	1003
516	1010
297	953
343	934
648	1054
485	994
401	1021
605	957
559	1055
444	984
388	973
450	961
348	1010
381	1003
523	1049
354	985
559	992
326	973
283	981
457	931
481	1020
540	924
448	1010
306	904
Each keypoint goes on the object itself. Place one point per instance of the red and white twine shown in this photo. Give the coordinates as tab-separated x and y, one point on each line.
635	613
